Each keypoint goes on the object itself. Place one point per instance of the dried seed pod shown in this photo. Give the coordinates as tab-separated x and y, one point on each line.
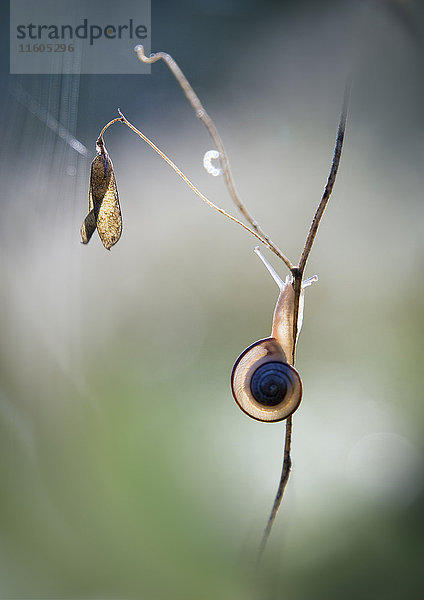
89	225
103	201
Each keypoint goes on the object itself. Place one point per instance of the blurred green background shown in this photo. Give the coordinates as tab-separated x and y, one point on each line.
126	469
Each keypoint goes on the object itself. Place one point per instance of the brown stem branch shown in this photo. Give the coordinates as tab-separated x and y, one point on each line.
297	273
201	113
100	138
329	186
285	472
187	181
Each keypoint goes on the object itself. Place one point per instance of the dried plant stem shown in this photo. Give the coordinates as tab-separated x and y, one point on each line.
297	273
285	472
287	463
124	120
100	138
329	186
201	113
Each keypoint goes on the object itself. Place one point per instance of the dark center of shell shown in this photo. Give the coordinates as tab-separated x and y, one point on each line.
269	383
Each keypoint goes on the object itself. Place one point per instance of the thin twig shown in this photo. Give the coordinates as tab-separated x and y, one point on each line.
285	472
201	113
329	186
297	273
108	125
124	120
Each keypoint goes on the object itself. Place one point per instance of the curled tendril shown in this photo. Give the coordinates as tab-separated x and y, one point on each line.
207	163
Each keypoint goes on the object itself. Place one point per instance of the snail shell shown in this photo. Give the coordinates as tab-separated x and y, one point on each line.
264	385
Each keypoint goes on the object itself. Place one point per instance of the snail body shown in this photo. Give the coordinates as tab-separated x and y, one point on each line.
264	383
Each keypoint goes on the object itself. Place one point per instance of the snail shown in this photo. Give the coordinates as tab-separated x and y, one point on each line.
264	385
